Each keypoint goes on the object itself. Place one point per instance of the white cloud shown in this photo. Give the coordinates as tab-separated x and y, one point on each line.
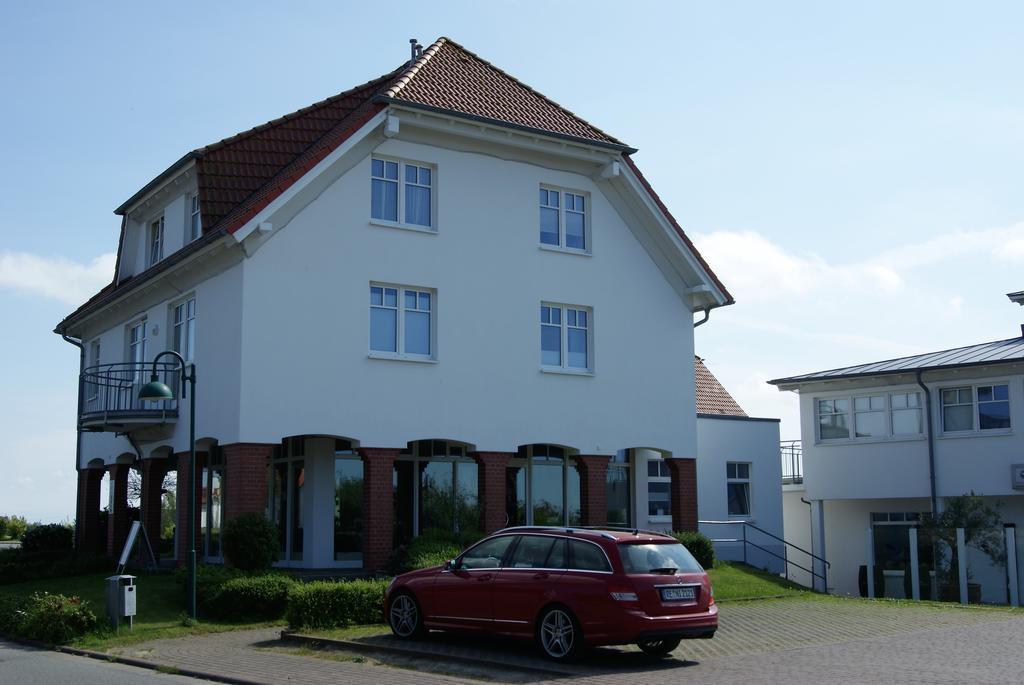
56	278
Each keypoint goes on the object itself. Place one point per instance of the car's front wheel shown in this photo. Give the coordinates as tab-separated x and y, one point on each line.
559	634
404	616
658	647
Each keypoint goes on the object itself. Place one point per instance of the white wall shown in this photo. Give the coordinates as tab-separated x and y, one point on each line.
796	516
899	468
755	441
306	313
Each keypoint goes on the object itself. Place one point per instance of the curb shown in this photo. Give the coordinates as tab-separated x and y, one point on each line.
357	646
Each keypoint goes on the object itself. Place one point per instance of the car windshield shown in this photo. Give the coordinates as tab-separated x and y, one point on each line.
655	557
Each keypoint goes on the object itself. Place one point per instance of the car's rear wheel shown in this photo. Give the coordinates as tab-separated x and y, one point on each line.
658	647
404	616
559	634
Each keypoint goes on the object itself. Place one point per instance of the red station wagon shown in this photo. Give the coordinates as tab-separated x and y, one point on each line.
566	588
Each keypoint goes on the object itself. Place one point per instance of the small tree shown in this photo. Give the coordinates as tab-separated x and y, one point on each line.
250	542
983	530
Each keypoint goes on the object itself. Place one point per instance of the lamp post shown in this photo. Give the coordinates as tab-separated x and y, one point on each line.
155	391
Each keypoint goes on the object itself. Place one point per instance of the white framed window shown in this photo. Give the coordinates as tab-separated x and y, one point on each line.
195	219
564	220
183	328
402	193
737	479
136	339
976	408
402	321
659	484
565	337
878	416
155	244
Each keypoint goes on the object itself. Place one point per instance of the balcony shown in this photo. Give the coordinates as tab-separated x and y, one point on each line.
110	398
792	462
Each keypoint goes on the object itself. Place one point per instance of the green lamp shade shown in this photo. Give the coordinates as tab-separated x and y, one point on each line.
155	391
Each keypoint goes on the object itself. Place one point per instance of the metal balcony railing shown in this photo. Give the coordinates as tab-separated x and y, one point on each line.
792	462
110	393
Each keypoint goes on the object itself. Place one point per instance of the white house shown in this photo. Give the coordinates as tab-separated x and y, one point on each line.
437	300
887	442
739	476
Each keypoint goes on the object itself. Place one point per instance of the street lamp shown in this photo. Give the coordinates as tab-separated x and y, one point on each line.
155	391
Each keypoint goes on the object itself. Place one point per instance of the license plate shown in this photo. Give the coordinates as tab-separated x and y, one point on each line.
678	594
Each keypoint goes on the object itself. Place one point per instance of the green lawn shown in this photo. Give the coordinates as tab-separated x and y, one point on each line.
161	608
739	581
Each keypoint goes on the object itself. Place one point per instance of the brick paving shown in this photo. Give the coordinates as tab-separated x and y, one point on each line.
816	641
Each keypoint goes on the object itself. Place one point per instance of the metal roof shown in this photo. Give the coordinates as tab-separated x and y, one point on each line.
1011	350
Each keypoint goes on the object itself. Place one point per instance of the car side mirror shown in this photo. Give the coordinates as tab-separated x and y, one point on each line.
451	565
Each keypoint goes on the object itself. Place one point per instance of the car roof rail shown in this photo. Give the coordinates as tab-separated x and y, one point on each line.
630	529
559	529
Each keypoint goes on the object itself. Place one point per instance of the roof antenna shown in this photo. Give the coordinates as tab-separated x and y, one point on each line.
415	50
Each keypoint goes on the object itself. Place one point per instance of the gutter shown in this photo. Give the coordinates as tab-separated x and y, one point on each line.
931	441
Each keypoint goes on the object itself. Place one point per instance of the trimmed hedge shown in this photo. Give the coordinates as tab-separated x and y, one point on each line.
250	542
16	565
253	598
55	619
433	548
699	545
336	604
52	537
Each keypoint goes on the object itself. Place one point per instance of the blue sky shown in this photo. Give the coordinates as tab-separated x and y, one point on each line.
853	173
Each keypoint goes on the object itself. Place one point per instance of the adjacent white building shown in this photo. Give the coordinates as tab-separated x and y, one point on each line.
886	443
437	300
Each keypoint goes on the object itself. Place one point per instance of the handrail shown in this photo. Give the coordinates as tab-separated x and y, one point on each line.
786	546
111	389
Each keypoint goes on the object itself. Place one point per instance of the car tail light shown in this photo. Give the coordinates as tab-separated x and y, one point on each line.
711	594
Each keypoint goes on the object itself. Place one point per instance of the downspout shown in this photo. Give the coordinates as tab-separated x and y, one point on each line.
78	426
707	315
931	442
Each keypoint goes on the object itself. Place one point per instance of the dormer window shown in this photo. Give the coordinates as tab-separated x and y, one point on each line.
156	241
195	221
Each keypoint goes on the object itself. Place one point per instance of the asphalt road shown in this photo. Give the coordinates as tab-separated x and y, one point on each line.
27	666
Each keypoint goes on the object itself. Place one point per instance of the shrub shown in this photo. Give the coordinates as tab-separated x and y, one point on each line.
699	545
250	542
56	619
209	580
336	604
12	527
52	537
17	565
12	610
252	598
432	548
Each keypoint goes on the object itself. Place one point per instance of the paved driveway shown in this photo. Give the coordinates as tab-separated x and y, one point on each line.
823	640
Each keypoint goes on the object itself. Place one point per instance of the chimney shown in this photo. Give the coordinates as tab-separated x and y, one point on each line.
415	50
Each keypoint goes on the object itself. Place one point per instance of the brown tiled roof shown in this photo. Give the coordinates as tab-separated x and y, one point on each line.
449	77
712	398
233	170
240	175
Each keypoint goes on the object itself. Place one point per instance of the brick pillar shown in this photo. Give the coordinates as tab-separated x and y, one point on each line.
683	493
245	478
181	498
593	502
117	518
151	501
491	488
378	507
87	517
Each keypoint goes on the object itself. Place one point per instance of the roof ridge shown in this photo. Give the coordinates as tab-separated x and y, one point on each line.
291	116
443	40
403	79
